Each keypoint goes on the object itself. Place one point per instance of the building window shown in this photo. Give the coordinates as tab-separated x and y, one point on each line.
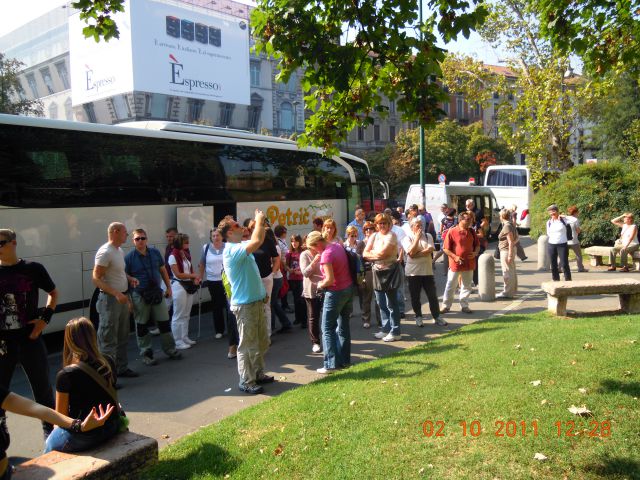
445	107
121	107
459	107
46	78
31	80
90	112
361	134
376	133
255	74
68	110
226	114
477	110
194	110
496	95
392	106
155	105
53	110
61	67
392	133
286	116
254	111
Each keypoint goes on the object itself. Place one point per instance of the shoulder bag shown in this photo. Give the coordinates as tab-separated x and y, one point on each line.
388	278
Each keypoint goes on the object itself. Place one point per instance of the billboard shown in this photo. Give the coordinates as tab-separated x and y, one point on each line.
163	49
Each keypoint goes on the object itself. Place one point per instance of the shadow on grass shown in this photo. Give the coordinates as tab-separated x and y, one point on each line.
207	459
604	313
610	466
628	388
507	318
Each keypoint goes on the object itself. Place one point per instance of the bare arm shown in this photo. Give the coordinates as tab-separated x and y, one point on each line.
618	221
257	237
23	406
275	264
307	266
166	280
38	324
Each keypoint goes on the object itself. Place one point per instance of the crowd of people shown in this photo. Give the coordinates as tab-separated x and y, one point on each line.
249	269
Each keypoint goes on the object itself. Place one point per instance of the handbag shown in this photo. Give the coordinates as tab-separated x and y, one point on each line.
189	286
387	279
123	420
152	295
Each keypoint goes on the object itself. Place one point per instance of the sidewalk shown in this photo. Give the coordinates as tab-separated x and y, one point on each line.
175	398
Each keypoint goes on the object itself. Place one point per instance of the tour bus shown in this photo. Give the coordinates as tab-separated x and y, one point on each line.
64	182
511	184
455	194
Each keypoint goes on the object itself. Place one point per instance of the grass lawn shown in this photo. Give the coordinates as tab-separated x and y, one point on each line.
368	422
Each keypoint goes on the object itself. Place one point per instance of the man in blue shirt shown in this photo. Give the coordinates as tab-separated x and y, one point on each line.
146	265
358	222
248	297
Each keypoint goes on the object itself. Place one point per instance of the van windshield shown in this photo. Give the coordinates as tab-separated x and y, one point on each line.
506	178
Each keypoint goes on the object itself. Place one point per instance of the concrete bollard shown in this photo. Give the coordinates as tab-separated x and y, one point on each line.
487	277
544	263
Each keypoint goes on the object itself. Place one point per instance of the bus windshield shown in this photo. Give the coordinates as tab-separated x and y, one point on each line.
507	178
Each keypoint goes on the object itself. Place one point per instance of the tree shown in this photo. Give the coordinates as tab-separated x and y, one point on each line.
550	102
605	33
449	148
97	14
11	91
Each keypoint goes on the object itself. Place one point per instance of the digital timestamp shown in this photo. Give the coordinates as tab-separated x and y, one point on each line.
515	428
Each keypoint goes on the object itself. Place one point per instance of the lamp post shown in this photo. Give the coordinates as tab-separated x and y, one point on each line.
421	131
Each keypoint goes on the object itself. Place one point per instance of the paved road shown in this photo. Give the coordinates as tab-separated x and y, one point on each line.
174	398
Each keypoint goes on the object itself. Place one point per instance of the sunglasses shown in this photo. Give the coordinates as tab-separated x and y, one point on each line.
3	243
139	239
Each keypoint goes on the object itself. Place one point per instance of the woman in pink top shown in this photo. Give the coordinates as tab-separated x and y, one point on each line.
337	308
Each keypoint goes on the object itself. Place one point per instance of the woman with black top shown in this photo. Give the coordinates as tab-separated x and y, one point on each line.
77	390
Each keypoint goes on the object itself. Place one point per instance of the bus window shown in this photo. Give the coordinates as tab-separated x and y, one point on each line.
506	178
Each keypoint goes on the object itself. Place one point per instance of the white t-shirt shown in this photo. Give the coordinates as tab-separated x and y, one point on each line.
628	230
420	265
112	258
186	265
379	242
213	262
575	224
557	231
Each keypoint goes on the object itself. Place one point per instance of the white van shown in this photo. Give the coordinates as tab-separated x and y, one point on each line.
511	184
455	194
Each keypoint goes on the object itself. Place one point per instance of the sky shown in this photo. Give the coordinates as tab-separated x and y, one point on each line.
16	13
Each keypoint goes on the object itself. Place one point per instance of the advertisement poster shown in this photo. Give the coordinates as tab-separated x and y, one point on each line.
163	49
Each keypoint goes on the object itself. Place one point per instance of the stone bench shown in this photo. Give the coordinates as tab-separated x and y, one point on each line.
123	456
627	289
596	253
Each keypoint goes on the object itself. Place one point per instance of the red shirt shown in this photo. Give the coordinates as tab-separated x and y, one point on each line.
462	243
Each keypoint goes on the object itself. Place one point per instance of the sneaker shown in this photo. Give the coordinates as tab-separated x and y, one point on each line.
316	348
261	380
431	322
502	296
182	346
466	310
624	269
154	331
391	338
218	336
583	270
380	335
128	373
419	322
232	355
188	341
612	268
174	354
251	389
366	325
148	360
325	371
445	310
441	322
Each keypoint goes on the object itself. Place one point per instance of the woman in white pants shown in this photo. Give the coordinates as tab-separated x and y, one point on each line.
183	279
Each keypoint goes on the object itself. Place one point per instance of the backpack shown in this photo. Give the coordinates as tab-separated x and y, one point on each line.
566	226
356	267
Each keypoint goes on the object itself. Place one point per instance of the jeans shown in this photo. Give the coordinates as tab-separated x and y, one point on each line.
401	291
63	440
417	283
559	250
295	286
32	355
623	254
142	313
113	332
336	332
276	306
389	310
